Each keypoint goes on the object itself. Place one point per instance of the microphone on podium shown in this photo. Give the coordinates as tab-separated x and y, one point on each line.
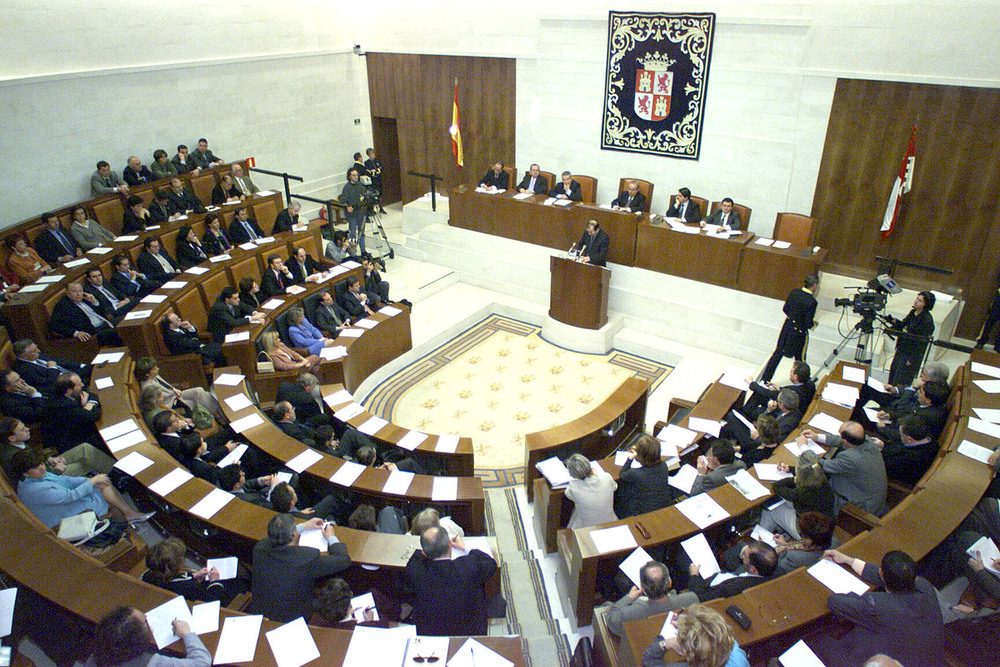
573	252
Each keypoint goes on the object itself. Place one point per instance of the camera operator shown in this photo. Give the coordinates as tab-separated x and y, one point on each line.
354	197
800	309
374	167
919	324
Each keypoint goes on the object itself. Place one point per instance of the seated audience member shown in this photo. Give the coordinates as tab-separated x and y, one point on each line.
276	279
340	249
725	217
763	446
496	179
88	233
911	455
179	439
353	300
112	304
284	500
807	491
376	288
630	199
24	261
75	316
189	249
654	596
155	262
568	189
128	281
715	465
287	218
147	372
136	173
53	498
856	472
8	285
214	241
984	521
255	490
123	639
105	182
592	492
429	518
242	182
358	446
682	207
80	461
243	228
304	334
224	315
284	416
224	191
785	411
703	638
330	317
903	620
900	399
332	607
41	370
161	166
203	156
285	573
284	357
449	595
19	399
757	563
816	531
761	394
184	200
161	211
54	244
136	216
183	163
533	182
181	338
304	395
304	268
390	521
165	568
929	402
644	489
153	400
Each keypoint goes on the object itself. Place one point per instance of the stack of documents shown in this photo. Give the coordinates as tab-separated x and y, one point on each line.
555	471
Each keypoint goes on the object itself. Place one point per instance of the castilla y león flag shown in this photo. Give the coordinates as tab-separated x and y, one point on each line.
456	131
904	181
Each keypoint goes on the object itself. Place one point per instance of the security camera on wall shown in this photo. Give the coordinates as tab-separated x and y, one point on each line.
358	51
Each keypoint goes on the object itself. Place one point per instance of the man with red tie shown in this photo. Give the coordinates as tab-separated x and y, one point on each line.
276	279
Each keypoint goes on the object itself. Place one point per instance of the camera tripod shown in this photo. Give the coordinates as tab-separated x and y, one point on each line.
382	248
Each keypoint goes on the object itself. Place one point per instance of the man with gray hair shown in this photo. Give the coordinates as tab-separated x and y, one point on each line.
284	572
568	189
894	399
287	218
654	596
243	183
784	409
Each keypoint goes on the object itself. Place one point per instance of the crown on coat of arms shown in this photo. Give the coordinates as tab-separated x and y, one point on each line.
656	61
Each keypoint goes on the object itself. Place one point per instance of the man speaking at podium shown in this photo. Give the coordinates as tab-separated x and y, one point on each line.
593	247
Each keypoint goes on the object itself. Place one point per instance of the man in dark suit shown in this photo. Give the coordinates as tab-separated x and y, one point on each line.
161	210
330	317
284	573
113	304
243	228
353	300
284	417
725	217
19	399
799	309
181	338
71	415
593	246
42	371
302	265
276	279
287	218
682	207
785	410
800	377
930	401
54	244
75	316
136	173
156	262
183	163
450	598
909	456
128	281
183	200
203	156
223	316
534	183
568	189
376	288
630	199
374	167
759	563
496	178
303	395
644	487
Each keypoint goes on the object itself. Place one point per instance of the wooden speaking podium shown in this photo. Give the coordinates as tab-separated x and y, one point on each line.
579	294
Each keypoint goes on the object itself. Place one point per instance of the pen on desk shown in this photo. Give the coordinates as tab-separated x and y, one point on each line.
642	530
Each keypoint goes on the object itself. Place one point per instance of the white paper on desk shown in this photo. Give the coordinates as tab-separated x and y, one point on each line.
701	554
130	439
675	435
337	270
207	507
264	240
108	358
988	414
987	549
411	440
669	629
295	289
212	208
237	337
227	567
51	278
205	617
333	353
763	241
349	412
373	425
475	654
800	655
854	374
841	394
522	195
768	472
197	270
121	428
974	451
380	646
100	250
877	385
238	639
264	193
133	464
444	489
76	262
989	386
350	264
613	539
473	544
781	245
827	423
984	427
7	598
747	485
153	298
362	602
237	402
315	539
338	398
37	287
170	481
985	369
173	284
347	473
398	482
796	449
836	578
103	383
447	444
631	565
246	423
366	324
390	310
292	644
233	456
621	456
301	462
161	619
229	379
150	228
710	426
872	414
763	534
702	510
219	258
351	333
549	201
736	377
555	471
138	315
249	245
563	202
272	304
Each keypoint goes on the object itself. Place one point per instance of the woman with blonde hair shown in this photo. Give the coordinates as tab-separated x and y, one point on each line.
703	639
285	358
807	491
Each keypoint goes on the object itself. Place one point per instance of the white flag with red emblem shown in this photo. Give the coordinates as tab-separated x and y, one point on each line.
904	181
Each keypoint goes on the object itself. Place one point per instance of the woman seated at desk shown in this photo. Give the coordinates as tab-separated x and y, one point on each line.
189	251
592	492
24	261
304	333
285	358
165	563
249	299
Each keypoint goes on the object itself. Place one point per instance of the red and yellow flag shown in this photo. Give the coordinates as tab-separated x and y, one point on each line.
456	131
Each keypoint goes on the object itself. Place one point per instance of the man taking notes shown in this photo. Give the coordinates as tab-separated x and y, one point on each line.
593	245
725	217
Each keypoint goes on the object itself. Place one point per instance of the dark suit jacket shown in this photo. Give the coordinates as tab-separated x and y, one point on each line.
691	214
180	341
302	433
499	181
238	234
44	378
270	285
186	201
50	249
700	587
716	219
219	196
133	177
305	405
67	318
595	247
638	202
25	408
149	265
349	301
283	222
221	321
215	245
327	322
189	254
312	266
541	184
132	224
160	214
67	424
908	464
800	309
450	599
123	285
642	489
105	306
284	576
760	395
183	167
574	190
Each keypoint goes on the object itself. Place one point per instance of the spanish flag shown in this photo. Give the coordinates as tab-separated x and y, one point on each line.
456	131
